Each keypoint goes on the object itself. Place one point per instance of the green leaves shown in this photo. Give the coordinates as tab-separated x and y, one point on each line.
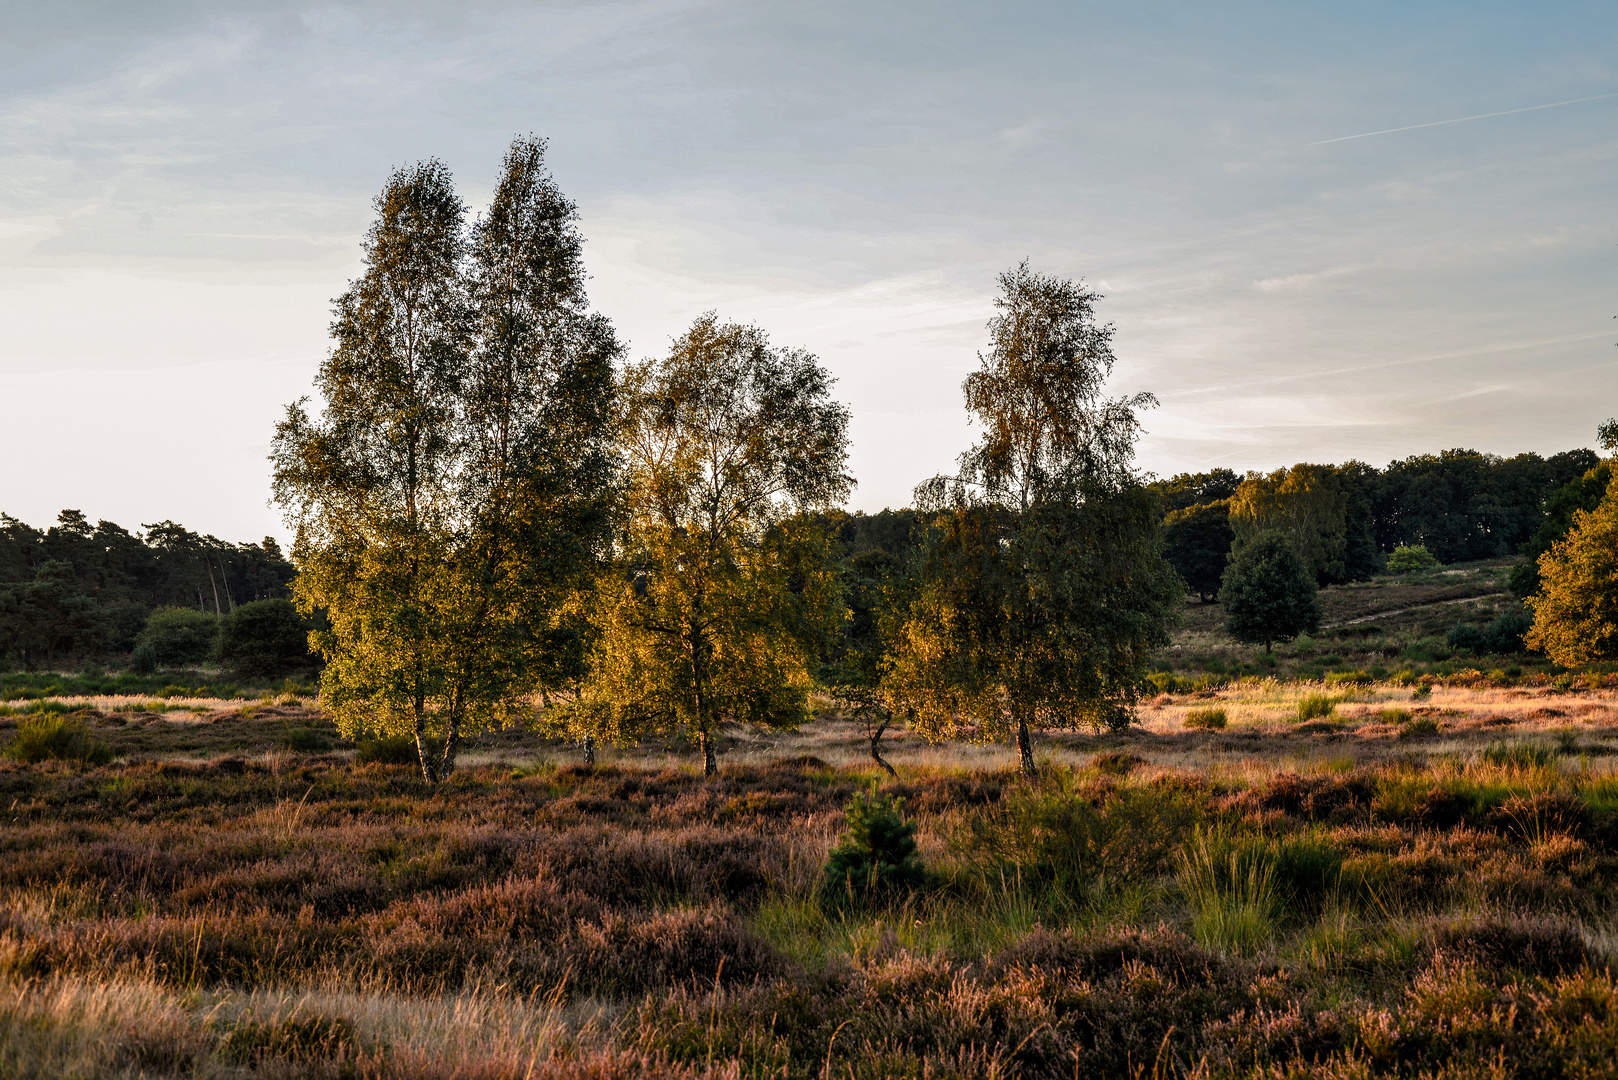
456	490
1042	587
1269	593
722	591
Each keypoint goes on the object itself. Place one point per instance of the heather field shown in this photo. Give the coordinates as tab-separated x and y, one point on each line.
1415	880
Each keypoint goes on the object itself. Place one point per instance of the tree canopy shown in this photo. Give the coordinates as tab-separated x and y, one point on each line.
456	487
1576	611
1042	587
722	591
1269	593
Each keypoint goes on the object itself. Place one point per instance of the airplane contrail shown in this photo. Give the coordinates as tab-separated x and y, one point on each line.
1463	119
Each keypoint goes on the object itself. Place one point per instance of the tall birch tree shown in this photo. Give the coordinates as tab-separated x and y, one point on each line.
724	588
1043	588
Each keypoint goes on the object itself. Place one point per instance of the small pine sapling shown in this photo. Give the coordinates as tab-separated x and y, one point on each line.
876	860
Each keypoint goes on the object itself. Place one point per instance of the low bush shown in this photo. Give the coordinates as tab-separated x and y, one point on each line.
1349	678
56	737
876	861
1418	727
1409	558
390	750
1205	718
1502	637
1165	682
265	639
173	637
1077	838
1316	706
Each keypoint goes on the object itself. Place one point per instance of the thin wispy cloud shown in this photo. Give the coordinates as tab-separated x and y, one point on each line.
1464	119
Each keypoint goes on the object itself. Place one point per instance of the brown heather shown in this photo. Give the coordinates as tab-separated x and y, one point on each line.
1253	902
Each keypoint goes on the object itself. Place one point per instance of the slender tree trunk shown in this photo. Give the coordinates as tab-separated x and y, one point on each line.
208	564
590	751
429	766
1025	749
876	753
710	764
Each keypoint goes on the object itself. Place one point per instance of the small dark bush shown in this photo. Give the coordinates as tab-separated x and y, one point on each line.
1538	946
1316	706
1502	637
876	860
1117	762
307	740
390	750
1417	727
58	737
297	1038
266	639
176	636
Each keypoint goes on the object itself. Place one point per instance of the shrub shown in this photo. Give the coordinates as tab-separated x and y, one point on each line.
1117	762
266	639
876	861
59	737
175	636
1316	706
306	738
1076	837
1503	636
1410	558
1418	727
1165	682
1351	678
1425	690
1394	716
390	750
1205	718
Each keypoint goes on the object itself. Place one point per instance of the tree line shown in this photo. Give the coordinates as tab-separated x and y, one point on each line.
77	591
1344	520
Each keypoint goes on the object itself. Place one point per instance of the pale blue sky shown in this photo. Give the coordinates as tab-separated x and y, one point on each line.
185	185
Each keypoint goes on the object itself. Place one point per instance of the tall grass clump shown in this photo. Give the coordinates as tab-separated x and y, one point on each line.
1069	843
1206	719
56	737
1316	706
1518	754
1229	886
876	860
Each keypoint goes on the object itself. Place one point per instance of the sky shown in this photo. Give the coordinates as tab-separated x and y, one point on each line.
1322	232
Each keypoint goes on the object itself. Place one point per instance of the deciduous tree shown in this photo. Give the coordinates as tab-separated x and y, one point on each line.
1196	542
724	588
1269	593
1576	611
1043	588
457	484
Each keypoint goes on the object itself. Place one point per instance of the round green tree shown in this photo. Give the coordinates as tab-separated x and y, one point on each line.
1268	594
265	639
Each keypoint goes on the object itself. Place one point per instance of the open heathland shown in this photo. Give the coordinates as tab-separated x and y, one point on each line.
1417	881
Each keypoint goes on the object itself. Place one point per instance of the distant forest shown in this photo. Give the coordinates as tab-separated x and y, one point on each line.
77	591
